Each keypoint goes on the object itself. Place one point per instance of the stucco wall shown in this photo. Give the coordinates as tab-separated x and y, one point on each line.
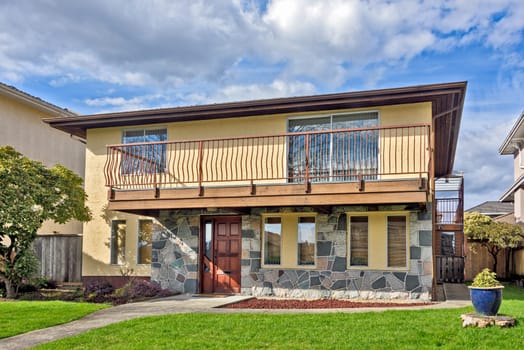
96	232
21	127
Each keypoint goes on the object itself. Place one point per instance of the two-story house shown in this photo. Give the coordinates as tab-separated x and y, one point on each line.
58	245
514	145
316	196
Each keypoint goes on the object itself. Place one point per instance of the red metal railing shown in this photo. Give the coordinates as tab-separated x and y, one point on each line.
302	157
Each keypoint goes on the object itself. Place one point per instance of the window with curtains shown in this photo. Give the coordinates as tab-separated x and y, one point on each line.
143	158
118	241
358	245
397	250
334	153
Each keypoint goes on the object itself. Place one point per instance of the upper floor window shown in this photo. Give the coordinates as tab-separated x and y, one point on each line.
144	158
337	154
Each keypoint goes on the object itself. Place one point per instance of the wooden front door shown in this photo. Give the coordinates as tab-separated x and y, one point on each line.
220	253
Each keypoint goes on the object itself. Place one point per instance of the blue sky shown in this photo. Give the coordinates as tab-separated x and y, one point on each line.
100	56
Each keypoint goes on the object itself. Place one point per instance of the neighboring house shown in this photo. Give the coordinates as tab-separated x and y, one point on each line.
21	127
493	209
317	196
514	145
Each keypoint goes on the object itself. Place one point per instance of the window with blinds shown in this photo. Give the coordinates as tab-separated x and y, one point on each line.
358	245
397	250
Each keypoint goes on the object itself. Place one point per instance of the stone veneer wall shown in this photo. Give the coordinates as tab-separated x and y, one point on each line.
175	259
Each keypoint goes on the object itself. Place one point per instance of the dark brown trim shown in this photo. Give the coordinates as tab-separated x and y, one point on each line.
422	93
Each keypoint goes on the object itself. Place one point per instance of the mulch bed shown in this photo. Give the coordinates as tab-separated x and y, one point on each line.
263	303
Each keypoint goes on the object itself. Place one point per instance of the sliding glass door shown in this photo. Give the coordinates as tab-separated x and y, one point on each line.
333	152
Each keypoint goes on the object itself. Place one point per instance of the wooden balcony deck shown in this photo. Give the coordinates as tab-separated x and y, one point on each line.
380	165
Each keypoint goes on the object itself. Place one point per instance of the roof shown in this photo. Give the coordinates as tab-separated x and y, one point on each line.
492	208
447	102
33	101
508	195
515	137
453	183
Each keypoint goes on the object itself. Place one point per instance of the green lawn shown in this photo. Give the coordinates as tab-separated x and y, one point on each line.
23	316
427	329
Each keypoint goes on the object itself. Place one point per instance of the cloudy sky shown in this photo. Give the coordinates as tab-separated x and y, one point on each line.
115	55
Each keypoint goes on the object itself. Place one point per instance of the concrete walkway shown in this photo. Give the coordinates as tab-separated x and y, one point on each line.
171	305
456	291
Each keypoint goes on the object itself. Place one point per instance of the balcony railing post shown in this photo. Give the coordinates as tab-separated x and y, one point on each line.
200	168
306	150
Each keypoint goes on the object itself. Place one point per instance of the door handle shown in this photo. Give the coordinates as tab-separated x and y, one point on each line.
227	272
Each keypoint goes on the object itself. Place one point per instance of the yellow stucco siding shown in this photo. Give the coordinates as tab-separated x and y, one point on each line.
97	232
23	129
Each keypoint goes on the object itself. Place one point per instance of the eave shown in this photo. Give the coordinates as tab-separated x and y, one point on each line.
508	195
35	102
447	101
514	137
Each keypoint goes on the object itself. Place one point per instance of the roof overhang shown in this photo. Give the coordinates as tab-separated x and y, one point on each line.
515	138
508	195
34	102
447	102
450	183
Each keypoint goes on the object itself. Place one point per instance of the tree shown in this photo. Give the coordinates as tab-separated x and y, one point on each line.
495	236
31	193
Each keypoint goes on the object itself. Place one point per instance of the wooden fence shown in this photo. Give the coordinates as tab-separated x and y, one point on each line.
450	269
476	262
60	257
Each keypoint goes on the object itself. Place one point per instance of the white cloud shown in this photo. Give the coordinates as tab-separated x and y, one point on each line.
277	88
487	174
156	43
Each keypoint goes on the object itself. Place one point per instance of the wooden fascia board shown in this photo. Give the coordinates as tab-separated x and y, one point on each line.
381	192
425	93
234	202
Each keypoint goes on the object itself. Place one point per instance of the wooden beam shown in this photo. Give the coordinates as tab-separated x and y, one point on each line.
276	190
271	201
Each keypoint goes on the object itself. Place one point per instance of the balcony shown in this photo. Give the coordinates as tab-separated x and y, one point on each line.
322	168
449	203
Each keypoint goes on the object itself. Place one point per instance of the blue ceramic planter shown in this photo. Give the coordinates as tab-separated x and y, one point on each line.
486	300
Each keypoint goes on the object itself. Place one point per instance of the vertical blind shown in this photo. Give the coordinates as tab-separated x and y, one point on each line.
397	241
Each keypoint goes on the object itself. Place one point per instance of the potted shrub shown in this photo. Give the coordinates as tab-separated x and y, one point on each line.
486	293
